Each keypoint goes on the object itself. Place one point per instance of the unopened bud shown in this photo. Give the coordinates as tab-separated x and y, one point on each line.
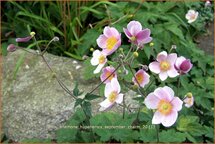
135	87
56	39
174	46
32	34
130	16
121	49
135	54
11	48
119	71
91	49
189	94
151	44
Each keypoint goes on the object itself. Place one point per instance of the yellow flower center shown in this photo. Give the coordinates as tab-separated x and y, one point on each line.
112	96
189	101
193	16
164	66
108	74
133	38
164	107
111	43
139	78
101	59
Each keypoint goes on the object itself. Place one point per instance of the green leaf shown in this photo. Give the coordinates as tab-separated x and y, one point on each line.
91	96
171	136
78	102
148	134
76	91
191	125
87	108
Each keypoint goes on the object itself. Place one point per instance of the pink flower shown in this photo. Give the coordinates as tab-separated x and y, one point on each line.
183	65
164	66
11	48
142	78
106	72
110	40
112	94
189	100
191	16
166	105
136	35
98	59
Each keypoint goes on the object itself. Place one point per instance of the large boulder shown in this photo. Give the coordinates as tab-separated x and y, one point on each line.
34	104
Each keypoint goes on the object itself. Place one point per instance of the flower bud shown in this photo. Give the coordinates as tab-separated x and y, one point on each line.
121	49
25	39
56	39
135	54
151	44
91	49
189	100
32	34
11	48
189	94
183	65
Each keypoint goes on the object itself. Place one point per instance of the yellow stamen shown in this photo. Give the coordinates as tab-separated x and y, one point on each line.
112	96
139	77
101	59
164	65
164	107
133	38
111	43
108	74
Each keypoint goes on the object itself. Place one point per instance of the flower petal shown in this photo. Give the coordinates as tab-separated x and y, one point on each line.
178	61
101	41
155	67
106	103
98	69
163	76
157	118
163	94
119	98
177	104
143	34
108	89
169	91
170	119
110	31
172	72
151	101
162	56
171	58
115	85
97	53
134	27
94	61
127	33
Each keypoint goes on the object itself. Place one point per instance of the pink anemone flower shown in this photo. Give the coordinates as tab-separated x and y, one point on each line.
110	40
136	35
183	65
191	16
141	77
189	100
106	72
166	105
112	94
98	59
164	66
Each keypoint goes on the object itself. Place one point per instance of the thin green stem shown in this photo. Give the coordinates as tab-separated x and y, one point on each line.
178	85
157	132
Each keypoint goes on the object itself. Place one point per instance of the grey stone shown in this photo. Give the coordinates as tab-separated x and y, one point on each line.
34	105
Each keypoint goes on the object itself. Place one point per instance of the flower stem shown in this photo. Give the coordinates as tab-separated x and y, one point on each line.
157	132
178	85
123	115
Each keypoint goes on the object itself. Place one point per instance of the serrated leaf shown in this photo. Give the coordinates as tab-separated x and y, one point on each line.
171	136
87	108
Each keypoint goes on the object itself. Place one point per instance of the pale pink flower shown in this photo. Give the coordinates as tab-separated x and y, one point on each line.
106	72
109	41
191	16
189	100
98	59
164	66
166	105
112	94
183	65
142	78
136	35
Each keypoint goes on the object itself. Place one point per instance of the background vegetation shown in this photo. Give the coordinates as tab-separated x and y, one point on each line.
78	25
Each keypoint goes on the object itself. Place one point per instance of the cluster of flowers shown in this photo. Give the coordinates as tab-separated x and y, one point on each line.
166	65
